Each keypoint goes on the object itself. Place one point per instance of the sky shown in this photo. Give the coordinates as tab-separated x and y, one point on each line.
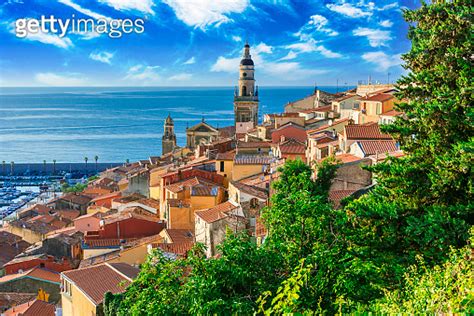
199	43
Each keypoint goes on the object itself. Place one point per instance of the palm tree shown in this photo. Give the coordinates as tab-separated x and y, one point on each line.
86	160
54	166
12	167
127	161
44	166
96	158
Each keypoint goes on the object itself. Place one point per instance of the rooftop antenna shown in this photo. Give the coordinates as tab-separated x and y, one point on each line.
337	85
388	77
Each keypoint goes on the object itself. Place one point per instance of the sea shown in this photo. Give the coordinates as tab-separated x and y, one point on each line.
115	124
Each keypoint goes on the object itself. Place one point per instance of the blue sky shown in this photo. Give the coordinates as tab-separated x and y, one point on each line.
199	43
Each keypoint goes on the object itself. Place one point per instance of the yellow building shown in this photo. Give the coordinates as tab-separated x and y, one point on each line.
371	107
83	290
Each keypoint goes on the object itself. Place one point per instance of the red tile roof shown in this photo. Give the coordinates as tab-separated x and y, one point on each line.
228	155
252	190
217	212
372	147
15	299
380	97
336	196
32	308
181	249
366	131
253	160
35	273
241	144
97	280
347	158
327	126
179	235
292	146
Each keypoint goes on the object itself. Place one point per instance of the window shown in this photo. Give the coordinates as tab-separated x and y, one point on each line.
244	90
221	166
253	203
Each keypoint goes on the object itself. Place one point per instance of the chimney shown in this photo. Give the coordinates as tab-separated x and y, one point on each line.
282	138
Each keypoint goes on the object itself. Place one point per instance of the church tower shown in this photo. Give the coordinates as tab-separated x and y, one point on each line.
246	95
168	141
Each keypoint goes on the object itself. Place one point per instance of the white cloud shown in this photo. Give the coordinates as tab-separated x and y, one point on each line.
203	13
142	73
143	6
181	77
66	80
386	23
236	38
103	57
382	60
82	10
349	10
262	48
290	70
316	23
285	70
312	46
291	55
190	61
224	64
376	37
46	38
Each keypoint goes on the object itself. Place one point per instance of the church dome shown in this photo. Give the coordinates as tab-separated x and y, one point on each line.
246	62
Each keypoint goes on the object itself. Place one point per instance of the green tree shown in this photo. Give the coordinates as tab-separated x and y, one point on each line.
422	203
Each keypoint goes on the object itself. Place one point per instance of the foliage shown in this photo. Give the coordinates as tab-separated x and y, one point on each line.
422	203
446	288
78	187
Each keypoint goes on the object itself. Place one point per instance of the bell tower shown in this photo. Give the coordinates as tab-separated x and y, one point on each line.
168	141
246	95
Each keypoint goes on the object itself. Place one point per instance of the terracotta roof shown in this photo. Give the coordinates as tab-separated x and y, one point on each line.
103	243
228	155
97	280
372	147
392	113
252	190
336	196
32	308
125	269
179	235
327	108
347	158
292	146
366	131
290	124
150	202
118	217
15	299
327	126
68	214
129	198
35	273
106	196
180	249
179	186
204	190
253	160
36	226
241	144
76	198
380	97
217	212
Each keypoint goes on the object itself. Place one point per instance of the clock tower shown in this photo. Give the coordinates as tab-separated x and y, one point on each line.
246	95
